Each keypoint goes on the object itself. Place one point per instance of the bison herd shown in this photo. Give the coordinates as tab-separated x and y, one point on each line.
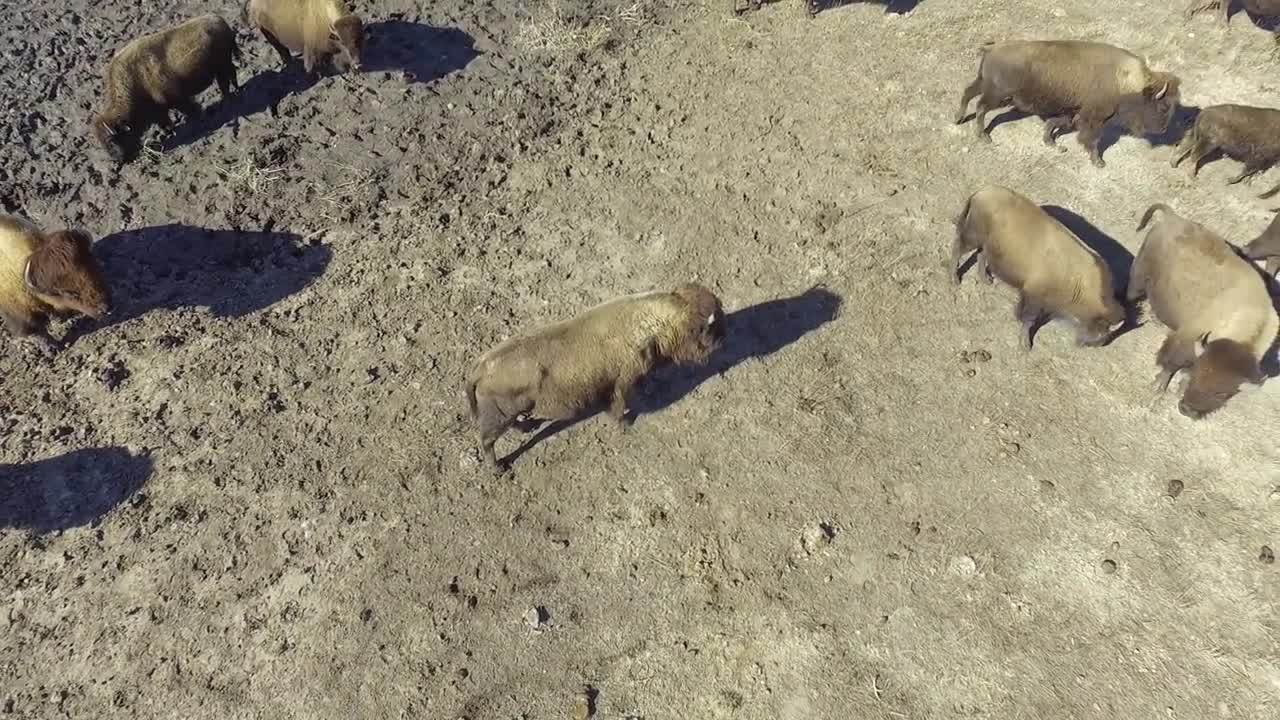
1221	318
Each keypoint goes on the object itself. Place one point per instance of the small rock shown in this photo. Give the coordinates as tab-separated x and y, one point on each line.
963	566
1267	555
816	537
538	619
1175	488
584	705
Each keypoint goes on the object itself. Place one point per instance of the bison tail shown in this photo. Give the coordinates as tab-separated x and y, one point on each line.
471	398
1146	216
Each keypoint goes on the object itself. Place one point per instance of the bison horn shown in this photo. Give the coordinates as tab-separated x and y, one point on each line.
711	319
1163	89
26	276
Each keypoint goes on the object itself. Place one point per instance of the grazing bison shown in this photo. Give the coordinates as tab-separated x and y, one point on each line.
163	70
1072	84
1055	274
47	273
1220	317
1242	132
315	28
560	371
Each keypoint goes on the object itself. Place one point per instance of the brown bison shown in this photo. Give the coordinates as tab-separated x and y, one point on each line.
562	370
1221	319
1072	84
163	70
1055	274
47	273
1242	132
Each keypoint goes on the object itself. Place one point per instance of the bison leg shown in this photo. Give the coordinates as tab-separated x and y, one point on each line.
1055	125
493	422
814	6
1184	149
1177	353
1090	132
227	79
969	93
1199	152
1249	171
1029	313
983	268
286	57
621	392
190	109
959	247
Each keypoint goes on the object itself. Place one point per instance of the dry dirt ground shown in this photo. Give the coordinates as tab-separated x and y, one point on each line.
254	494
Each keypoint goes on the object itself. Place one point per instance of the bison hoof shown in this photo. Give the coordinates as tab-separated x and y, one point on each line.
1099	163
985	137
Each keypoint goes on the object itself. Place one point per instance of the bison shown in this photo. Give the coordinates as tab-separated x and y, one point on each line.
47	273
1242	132
560	371
1055	274
163	70
1220	317
1073	84
315	28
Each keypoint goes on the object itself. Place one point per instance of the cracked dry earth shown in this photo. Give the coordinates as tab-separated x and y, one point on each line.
254	493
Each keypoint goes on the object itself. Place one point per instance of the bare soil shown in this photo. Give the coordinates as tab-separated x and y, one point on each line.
253	493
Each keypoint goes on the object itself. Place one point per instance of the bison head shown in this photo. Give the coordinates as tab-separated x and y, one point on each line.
703	329
1222	367
1149	112
1099	330
348	35
117	138
64	274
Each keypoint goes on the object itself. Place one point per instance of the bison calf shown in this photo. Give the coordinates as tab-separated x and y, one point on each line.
164	70
562	370
43	274
315	28
1072	84
1216	306
1055	274
1248	134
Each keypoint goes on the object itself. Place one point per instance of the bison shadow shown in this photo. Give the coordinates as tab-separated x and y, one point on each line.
231	272
424	53
263	91
1117	257
70	490
752	332
896	7
899	7
1182	119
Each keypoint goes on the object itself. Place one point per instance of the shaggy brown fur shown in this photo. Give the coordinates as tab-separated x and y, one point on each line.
43	274
164	70
562	370
1221	319
1072	84
1266	247
315	28
1055	273
1248	134
1263	8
